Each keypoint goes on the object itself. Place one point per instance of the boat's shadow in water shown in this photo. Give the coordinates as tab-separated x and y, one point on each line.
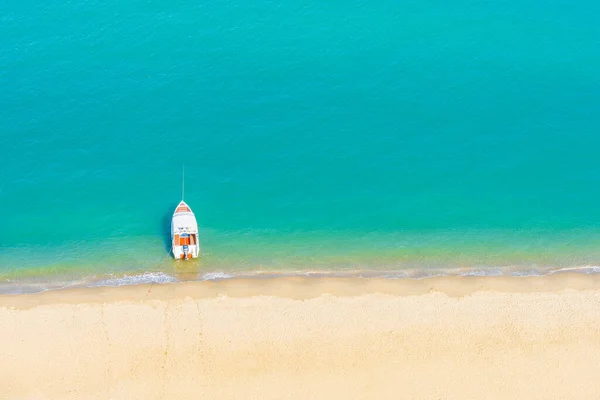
165	228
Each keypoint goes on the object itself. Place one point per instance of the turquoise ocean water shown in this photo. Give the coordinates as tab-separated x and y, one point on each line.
402	138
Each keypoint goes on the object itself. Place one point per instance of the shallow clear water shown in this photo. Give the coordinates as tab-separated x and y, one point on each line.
316	137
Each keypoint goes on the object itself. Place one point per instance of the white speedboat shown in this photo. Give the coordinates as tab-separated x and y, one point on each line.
184	233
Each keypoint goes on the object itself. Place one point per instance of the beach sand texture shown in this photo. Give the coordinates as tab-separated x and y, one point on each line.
307	338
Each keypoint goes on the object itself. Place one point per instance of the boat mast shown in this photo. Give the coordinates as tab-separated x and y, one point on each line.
182	181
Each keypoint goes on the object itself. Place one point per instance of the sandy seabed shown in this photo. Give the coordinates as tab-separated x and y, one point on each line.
307	338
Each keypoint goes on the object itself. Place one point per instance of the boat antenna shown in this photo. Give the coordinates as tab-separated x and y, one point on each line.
182	181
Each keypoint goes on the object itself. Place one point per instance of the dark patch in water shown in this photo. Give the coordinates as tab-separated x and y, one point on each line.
165	228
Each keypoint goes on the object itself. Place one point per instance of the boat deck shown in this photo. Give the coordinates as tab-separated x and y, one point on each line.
186	240
182	208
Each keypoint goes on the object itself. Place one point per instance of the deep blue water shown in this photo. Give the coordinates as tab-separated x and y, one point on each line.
347	135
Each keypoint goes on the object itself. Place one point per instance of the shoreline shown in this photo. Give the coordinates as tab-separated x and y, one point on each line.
185	276
307	287
452	337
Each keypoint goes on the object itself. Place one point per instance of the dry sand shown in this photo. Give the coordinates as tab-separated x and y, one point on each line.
315	338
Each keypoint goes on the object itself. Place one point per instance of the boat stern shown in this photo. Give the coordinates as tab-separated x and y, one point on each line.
185	252
185	246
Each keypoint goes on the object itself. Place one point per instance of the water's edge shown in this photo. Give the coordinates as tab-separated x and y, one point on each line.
161	277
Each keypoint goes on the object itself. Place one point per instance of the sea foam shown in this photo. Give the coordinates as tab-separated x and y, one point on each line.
210	276
139	279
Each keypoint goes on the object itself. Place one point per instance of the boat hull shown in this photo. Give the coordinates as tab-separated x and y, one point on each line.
184	233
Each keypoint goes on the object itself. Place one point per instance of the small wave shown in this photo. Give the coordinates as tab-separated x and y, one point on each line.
530	272
483	272
16	286
211	276
140	279
588	269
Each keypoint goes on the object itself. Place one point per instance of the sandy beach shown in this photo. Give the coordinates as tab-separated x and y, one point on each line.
299	338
